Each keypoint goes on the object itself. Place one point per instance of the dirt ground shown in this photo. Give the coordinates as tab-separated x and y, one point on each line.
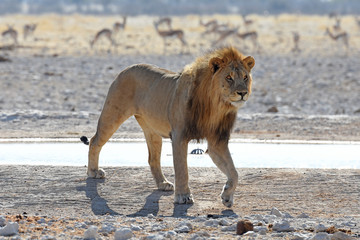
66	192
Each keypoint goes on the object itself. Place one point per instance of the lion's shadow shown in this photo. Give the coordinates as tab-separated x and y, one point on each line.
151	206
99	205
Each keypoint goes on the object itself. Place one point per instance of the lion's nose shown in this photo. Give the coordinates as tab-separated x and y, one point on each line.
242	93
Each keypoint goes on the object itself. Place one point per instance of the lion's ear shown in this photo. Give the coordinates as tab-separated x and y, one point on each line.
215	63
249	62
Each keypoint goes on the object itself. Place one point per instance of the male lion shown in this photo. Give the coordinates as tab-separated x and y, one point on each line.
201	102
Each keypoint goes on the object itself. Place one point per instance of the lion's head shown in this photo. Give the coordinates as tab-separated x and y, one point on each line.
222	84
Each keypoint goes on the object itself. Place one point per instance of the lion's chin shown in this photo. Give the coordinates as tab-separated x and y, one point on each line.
238	104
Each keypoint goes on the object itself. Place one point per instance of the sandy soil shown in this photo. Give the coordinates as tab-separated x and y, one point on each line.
54	85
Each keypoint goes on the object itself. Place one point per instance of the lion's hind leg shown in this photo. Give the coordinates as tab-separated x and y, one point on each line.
109	122
154	144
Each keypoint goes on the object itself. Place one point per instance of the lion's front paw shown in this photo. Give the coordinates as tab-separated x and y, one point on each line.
166	186
100	173
184	198
227	198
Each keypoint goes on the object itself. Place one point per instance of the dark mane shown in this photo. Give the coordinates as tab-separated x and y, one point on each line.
209	117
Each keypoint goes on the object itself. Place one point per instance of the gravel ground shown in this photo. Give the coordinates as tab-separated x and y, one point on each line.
50	202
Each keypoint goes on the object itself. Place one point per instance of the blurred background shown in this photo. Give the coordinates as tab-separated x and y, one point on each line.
58	58
179	7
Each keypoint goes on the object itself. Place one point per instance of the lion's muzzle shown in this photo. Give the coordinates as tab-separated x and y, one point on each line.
243	94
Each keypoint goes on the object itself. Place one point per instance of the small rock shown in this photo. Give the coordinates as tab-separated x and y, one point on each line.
303	215
321	236
135	227
224	222
273	110
244	226
231	228
211	223
320	228
123	234
91	233
261	230
250	234
2	221
276	212
184	227
11	228
340	236
282	226
107	228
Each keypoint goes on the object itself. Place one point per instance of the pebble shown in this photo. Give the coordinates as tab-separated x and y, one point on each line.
321	236
11	228
2	221
244	226
91	233
123	234
340	236
282	226
276	212
320	228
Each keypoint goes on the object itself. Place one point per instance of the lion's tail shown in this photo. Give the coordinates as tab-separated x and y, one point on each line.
85	140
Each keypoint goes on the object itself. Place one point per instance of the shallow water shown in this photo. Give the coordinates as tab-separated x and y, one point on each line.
247	155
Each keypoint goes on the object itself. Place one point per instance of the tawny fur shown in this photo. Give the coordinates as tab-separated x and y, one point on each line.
201	102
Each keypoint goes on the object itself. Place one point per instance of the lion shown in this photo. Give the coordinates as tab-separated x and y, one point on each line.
199	103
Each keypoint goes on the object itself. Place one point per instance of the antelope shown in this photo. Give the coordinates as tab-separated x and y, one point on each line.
296	38
29	29
107	33
343	35
216	28
12	33
357	20
337	25
178	33
225	34
208	24
120	26
247	22
253	35
165	20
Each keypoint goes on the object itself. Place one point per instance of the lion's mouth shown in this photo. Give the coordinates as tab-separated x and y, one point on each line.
238	103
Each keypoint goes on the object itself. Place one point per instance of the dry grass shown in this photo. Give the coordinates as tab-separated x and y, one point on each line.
71	34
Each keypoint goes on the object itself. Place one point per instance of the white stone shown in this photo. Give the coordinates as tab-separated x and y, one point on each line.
321	236
11	228
2	221
340	236
320	228
107	228
224	222
250	234
282	226
212	223
134	227
261	230
184	227
231	228
91	233
303	215
123	234
276	212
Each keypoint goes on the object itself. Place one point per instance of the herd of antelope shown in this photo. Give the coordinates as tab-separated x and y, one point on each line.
214	30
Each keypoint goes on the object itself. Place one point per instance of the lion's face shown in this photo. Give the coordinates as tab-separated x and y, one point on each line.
234	78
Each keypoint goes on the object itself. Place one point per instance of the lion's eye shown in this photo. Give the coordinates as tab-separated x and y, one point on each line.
246	78
229	79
